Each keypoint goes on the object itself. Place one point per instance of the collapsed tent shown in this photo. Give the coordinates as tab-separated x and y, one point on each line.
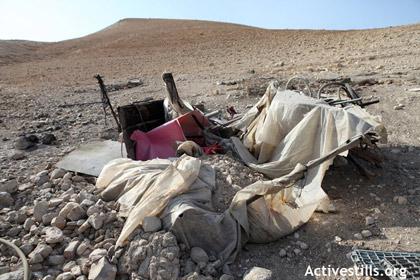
177	190
292	137
287	136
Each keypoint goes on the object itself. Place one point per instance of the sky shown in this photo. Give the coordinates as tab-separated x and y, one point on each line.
55	20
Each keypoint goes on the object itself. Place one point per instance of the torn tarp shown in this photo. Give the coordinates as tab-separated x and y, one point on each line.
180	192
287	136
291	136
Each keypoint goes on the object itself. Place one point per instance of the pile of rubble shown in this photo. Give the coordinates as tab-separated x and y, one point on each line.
70	233
231	176
67	231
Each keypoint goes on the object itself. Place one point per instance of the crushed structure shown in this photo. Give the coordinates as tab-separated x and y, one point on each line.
163	212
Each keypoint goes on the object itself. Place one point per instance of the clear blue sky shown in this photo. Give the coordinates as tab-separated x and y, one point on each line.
53	20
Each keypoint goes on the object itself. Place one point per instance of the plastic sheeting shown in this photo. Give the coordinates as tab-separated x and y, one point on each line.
161	142
292	137
177	190
287	136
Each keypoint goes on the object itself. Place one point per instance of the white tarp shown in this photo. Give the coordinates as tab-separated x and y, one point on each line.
284	131
287	136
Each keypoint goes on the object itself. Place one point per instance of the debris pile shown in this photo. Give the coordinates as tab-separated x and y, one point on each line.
220	184
231	176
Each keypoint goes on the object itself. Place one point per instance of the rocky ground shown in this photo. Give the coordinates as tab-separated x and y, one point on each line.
68	232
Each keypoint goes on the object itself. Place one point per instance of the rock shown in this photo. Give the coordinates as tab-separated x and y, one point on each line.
76	212
77	178
93	209
6	200
58	222
369	221
198	255
402	200
102	270
27	248
40	178
82	248
23	143
65	276
358	236
86	203
366	233
53	235
41	252
14	231
70	251
35	258
97	220
76	271
338	239
68	266
17	155
14	275
56	260
66	209
16	217
399	107
97	254
57	173
303	245
47	218
152	224
40	209
297	251
25	187
229	179
258	273
68	176
48	139
226	277
282	253
84	227
54	202
10	186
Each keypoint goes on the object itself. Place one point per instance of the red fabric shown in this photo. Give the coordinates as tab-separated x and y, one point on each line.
213	149
159	142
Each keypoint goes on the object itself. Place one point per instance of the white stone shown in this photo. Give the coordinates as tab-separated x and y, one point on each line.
53	235
369	220
97	254
58	222
358	236
258	273
57	173
70	251
366	233
102	270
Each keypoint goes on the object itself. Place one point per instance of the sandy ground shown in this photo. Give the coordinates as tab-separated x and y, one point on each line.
36	79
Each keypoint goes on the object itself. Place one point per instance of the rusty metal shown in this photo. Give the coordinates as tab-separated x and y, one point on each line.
106	102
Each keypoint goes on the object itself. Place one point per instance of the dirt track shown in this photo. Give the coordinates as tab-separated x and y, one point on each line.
201	55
